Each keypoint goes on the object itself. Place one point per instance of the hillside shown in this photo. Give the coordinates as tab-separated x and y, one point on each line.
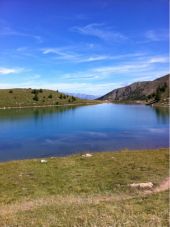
35	97
146	92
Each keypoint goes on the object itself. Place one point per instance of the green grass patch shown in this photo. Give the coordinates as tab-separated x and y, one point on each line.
37	97
79	191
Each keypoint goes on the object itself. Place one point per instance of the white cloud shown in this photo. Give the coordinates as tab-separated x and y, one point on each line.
120	68
144	64
7	31
65	54
98	88
156	36
159	59
86	88
6	71
62	54
100	31
140	66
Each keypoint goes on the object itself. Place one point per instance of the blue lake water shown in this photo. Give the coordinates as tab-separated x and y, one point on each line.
60	131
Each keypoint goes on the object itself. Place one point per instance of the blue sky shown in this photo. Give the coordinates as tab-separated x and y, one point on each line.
90	46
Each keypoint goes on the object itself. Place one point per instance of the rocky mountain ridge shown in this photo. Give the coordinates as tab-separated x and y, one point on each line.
146	91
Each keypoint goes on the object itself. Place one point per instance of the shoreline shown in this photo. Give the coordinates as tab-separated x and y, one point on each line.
45	106
81	154
77	104
142	103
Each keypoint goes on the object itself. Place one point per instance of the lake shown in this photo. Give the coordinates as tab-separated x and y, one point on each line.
60	131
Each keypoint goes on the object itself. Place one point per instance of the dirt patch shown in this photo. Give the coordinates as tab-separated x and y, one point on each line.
163	186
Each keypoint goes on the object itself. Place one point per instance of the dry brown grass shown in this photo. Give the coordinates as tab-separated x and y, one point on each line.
96	210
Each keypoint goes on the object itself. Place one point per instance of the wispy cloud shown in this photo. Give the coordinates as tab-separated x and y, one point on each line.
159	59
62	54
87	88
100	31
68	54
156	36
146	64
7	31
6	71
143	64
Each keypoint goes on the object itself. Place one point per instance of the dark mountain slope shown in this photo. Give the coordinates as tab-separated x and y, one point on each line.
147	91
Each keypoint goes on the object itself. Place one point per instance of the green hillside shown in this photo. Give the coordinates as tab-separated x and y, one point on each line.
36	97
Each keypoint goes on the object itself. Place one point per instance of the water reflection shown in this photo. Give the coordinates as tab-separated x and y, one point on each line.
162	114
36	113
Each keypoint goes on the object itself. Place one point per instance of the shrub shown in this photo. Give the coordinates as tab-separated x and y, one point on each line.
41	90
149	96
73	98
163	87
34	91
158	95
50	96
10	91
35	98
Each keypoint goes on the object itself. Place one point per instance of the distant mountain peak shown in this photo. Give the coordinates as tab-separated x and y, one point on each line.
83	96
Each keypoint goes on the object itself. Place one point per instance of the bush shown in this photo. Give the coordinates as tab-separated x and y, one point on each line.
34	91
10	91
158	95
73	98
35	98
50	96
149	96
41	90
163	87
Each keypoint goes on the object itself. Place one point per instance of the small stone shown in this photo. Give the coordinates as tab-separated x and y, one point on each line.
147	185
87	155
43	161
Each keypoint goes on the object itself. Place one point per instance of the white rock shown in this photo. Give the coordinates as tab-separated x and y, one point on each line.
43	161
87	155
147	185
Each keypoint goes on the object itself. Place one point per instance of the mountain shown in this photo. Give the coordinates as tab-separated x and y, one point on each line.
147	92
83	96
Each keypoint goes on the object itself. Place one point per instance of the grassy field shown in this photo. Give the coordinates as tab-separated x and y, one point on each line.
36	97
81	191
